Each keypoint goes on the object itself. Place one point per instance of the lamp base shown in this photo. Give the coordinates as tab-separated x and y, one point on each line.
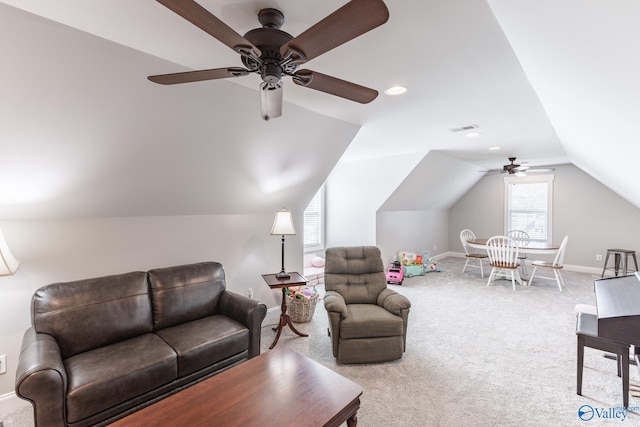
283	275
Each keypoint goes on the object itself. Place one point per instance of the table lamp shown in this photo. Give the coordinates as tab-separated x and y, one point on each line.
283	225
8	263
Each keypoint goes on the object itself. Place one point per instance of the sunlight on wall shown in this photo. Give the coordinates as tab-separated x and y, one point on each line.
23	184
274	172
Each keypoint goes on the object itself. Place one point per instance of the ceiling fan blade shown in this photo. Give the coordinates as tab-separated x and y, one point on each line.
334	86
492	172
271	100
541	170
350	21
203	19
198	76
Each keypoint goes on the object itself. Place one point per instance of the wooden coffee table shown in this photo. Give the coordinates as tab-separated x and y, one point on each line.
277	388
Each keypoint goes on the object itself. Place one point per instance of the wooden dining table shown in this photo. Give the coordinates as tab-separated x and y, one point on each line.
531	248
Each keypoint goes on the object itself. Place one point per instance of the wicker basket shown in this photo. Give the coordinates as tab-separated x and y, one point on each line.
301	310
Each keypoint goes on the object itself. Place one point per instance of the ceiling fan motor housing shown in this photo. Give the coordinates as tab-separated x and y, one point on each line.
269	39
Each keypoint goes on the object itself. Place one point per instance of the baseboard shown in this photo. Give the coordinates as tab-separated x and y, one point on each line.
569	267
272	317
447	254
582	269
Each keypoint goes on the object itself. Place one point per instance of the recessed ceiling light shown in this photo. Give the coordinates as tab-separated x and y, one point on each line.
473	134
494	148
395	90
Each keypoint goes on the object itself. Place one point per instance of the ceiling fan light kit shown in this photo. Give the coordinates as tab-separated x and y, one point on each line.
273	53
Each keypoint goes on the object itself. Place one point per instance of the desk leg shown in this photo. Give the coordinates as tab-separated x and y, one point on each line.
285	320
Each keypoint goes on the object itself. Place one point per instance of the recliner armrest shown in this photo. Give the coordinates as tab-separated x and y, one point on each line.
247	311
41	378
334	302
393	302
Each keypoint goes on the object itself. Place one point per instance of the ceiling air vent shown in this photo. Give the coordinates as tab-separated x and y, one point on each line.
464	128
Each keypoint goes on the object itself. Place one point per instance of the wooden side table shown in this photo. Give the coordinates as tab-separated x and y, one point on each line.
295	279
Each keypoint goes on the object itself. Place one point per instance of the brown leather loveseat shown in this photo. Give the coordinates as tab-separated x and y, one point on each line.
101	348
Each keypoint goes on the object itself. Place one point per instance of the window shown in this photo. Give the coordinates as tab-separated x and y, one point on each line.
528	205
314	223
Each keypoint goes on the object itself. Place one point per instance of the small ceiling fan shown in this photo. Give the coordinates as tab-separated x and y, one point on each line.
272	53
516	169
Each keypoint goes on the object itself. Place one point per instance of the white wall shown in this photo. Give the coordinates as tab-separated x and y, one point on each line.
62	250
412	231
436	182
354	192
594	217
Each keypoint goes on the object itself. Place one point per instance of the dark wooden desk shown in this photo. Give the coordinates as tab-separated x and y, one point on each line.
618	302
277	388
295	279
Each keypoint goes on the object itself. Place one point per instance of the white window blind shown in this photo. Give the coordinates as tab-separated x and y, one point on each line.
528	206
314	222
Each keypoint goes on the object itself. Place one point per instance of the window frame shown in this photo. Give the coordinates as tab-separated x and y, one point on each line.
530	179
320	199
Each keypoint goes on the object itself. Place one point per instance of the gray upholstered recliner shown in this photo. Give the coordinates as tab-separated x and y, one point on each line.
367	320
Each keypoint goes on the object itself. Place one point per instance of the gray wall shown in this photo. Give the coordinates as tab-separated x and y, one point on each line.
355	191
412	231
594	217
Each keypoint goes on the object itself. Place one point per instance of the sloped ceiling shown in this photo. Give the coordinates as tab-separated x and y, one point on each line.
548	81
419	191
582	60
83	134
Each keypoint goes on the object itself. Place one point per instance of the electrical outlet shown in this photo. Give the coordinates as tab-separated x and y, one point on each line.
435	247
250	293
599	257
3	364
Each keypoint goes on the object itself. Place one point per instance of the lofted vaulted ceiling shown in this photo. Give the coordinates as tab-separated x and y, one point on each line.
547	81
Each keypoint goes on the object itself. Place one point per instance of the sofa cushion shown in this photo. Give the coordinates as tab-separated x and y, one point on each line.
76	313
104	377
369	321
203	342
185	293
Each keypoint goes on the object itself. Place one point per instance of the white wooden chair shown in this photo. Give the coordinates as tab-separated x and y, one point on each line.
475	257
503	257
522	239
555	266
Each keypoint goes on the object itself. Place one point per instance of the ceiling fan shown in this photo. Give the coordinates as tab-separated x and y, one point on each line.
516	169
272	53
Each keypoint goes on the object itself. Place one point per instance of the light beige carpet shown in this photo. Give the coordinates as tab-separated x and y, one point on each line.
481	356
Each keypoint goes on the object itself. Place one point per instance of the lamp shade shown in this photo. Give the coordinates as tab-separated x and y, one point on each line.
8	263
283	223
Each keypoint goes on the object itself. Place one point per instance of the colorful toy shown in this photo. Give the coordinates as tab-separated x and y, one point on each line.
416	265
395	274
429	264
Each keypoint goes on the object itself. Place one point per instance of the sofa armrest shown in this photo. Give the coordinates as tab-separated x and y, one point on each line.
42	379
247	311
334	302
393	302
